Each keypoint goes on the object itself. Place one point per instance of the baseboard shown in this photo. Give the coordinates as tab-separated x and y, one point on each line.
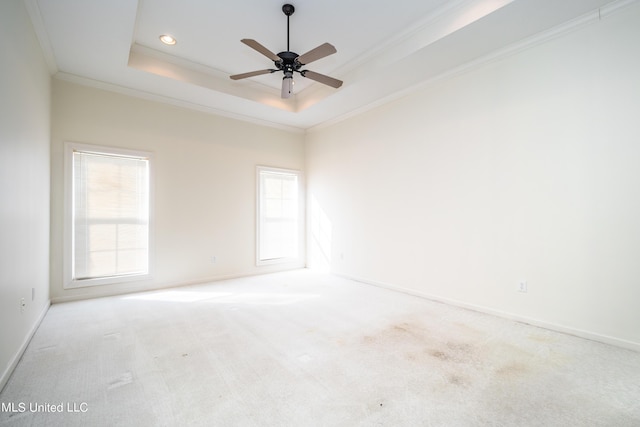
16	358
177	284
605	339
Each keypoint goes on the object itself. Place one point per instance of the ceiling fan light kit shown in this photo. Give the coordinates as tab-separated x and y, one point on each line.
290	62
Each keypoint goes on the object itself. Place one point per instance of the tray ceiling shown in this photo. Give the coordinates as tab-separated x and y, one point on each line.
385	49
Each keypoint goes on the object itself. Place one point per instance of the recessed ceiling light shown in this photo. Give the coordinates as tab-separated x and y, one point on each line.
167	39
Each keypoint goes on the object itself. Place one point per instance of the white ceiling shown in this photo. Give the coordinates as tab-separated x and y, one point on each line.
385	49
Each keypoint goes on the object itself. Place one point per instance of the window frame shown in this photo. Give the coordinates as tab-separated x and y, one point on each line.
299	259
69	282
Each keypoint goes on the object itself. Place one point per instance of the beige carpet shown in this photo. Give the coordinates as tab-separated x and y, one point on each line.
304	349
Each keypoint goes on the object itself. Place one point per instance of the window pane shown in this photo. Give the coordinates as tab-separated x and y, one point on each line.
272	187
272	208
102	237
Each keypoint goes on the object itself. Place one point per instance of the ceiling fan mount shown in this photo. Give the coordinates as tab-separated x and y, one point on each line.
290	62
288	9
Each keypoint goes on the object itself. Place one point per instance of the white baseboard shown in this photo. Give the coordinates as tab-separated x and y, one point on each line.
16	358
177	284
593	336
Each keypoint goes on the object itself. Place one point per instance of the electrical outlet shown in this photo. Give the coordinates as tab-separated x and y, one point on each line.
522	286
22	305
214	259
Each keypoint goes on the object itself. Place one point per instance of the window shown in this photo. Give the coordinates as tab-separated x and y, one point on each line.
279	213
107	232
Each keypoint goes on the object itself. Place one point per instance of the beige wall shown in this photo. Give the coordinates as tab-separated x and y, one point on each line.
24	183
526	168
204	182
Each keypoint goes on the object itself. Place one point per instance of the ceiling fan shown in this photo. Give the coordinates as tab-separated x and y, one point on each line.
289	62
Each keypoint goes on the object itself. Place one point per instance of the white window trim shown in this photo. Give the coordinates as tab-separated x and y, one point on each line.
299	260
68	281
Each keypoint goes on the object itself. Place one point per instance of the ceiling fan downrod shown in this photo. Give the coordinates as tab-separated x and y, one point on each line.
288	10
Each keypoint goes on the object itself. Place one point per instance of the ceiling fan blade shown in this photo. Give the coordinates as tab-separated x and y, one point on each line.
263	50
250	74
321	78
320	52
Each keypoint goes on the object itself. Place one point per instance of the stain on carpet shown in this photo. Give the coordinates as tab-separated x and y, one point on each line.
457	380
449	363
513	370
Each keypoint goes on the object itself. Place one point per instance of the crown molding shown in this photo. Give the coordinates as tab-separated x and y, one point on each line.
500	54
41	33
136	93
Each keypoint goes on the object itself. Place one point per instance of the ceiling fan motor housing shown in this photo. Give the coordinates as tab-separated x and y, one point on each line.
288	62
